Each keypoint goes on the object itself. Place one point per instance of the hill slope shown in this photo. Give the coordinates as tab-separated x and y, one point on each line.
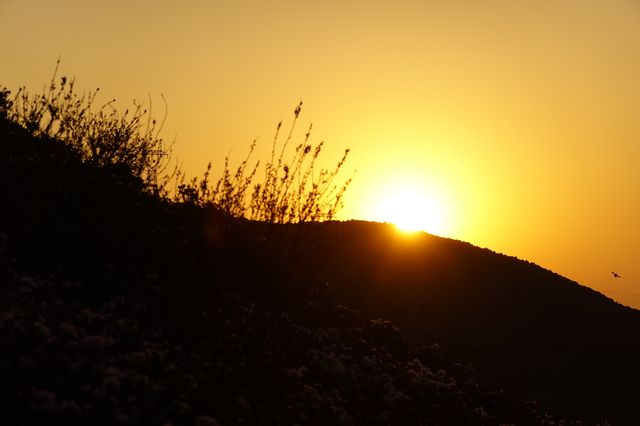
118	307
525	328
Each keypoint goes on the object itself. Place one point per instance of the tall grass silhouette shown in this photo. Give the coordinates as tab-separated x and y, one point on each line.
101	134
292	188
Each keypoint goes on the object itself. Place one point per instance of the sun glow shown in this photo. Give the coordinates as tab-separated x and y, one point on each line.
411	209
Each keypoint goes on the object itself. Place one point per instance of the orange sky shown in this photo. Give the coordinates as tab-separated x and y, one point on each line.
520	120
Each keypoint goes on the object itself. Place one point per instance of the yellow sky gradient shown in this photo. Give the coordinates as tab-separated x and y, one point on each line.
521	119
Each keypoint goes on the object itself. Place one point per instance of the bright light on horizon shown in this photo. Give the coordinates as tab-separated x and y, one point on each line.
411	208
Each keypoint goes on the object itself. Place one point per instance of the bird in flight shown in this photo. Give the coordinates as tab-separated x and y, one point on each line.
615	275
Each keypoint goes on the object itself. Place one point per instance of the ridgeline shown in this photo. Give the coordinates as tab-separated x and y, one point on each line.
119	306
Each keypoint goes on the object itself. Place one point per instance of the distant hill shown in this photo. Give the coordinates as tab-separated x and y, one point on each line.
525	328
120	307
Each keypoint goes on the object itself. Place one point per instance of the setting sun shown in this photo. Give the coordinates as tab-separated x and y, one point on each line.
411	209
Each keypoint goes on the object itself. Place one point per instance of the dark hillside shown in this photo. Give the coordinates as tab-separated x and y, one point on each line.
117	307
526	328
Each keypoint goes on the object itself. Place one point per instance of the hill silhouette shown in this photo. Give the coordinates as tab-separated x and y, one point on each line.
121	307
525	328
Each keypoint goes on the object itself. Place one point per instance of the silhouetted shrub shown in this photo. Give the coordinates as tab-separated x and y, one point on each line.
101	135
5	102
292	190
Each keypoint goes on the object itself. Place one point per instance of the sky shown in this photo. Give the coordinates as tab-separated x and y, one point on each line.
513	125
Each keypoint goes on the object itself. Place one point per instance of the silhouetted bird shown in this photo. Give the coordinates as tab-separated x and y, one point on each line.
615	275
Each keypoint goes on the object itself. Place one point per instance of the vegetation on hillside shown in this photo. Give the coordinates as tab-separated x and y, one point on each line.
100	135
119	309
293	188
121	305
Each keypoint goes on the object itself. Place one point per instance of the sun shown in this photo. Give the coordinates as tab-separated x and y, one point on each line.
411	209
